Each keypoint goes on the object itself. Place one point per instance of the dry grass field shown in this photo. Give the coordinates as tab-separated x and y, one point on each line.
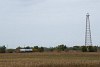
53	59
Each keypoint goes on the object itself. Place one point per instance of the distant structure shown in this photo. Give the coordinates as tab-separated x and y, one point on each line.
88	39
25	50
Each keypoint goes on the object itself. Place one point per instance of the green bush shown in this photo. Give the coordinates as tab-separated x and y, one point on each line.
38	49
2	49
76	48
92	48
41	49
95	48
10	50
84	48
61	47
89	48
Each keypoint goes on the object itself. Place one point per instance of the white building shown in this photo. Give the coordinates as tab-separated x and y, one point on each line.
26	50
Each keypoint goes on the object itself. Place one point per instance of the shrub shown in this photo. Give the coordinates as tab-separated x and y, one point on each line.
84	48
10	50
61	47
92	48
2	49
89	48
41	49
76	48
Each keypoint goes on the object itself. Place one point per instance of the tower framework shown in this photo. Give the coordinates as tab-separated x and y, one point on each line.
88	39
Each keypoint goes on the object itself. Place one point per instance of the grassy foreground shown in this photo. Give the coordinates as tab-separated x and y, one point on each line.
50	60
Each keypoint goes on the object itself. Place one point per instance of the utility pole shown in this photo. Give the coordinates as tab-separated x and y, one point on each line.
88	39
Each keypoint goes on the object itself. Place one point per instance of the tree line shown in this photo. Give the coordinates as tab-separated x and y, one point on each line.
58	48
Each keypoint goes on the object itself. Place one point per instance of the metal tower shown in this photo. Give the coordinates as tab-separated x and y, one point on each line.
88	39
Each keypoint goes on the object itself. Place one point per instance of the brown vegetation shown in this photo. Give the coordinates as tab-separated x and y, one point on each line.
51	59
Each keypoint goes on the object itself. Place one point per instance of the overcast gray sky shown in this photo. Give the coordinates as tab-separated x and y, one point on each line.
47	22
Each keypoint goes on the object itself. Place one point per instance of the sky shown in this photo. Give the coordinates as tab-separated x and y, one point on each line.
47	23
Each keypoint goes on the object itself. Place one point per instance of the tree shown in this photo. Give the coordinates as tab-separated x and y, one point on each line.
36	47
10	50
89	48
61	47
18	49
84	48
95	48
92	48
51	49
2	49
41	49
76	48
